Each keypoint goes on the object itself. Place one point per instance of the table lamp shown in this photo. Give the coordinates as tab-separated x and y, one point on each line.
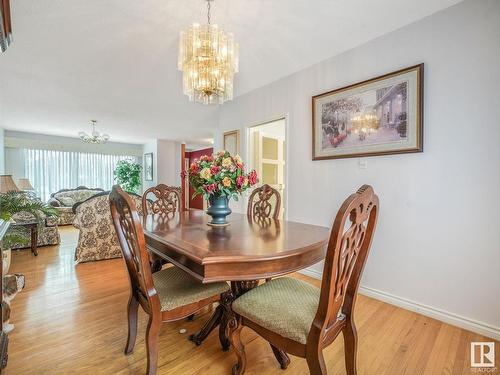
7	184
25	184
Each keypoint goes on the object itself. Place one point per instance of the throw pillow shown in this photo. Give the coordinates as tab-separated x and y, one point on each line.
67	201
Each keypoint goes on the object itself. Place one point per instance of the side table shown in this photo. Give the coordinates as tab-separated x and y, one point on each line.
33	227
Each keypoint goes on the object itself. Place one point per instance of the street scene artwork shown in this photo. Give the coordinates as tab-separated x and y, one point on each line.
379	116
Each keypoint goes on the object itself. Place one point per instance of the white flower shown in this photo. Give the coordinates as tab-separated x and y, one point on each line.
205	173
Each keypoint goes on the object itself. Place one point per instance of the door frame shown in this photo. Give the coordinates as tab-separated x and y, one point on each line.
285	117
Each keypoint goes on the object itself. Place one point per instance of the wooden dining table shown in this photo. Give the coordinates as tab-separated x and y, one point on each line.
243	253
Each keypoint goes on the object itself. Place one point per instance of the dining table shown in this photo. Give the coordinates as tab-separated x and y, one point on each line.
245	252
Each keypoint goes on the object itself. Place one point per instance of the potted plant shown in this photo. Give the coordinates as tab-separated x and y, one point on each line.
218	178
128	175
14	202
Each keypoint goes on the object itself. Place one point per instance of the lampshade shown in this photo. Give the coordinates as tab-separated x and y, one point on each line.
25	184
7	184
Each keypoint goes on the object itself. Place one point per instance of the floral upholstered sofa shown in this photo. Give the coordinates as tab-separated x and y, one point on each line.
97	239
64	200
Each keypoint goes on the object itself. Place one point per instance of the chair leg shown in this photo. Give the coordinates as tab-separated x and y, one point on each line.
282	358
316	362
152	337
235	337
132	309
224	340
350	347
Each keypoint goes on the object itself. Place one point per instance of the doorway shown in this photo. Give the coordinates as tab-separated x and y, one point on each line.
267	155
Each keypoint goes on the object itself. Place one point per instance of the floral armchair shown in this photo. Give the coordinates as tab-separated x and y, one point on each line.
64	200
48	233
97	239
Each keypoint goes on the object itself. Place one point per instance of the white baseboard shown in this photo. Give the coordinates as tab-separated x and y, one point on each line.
311	273
432	312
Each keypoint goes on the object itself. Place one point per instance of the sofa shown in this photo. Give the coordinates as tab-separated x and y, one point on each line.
64	200
48	233
97	239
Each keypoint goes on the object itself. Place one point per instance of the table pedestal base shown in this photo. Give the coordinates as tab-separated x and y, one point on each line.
221	318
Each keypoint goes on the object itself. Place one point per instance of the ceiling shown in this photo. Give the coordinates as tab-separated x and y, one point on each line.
116	60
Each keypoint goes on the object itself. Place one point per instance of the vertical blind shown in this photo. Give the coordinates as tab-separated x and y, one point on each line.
50	171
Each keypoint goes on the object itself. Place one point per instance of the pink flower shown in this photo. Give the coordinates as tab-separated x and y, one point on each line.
241	181
214	169
252	177
194	167
209	189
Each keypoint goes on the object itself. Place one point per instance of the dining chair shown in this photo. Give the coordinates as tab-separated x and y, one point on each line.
264	203
166	203
168	295
167	200
301	319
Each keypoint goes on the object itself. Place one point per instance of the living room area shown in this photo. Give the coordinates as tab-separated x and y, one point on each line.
249	187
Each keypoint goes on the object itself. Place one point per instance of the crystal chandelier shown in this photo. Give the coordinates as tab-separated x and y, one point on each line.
208	58
95	137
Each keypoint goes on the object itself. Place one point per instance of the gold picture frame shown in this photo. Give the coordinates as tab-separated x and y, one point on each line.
379	116
231	142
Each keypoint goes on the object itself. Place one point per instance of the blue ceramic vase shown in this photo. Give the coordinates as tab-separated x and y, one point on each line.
219	210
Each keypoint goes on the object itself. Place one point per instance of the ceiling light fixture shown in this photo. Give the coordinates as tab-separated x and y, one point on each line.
208	58
95	137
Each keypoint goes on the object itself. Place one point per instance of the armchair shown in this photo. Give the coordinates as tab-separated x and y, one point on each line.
97	239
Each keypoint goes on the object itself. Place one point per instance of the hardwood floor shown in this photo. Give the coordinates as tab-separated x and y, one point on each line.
71	320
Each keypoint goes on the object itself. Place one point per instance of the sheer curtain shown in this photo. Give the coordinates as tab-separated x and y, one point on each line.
50	171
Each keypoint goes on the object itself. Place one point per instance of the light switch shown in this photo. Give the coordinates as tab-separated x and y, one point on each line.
362	163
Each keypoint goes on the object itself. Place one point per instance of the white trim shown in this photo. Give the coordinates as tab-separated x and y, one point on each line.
311	273
432	312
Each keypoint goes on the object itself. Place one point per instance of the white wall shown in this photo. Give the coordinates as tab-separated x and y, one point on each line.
166	162
16	139
2	152
151	147
437	241
14	163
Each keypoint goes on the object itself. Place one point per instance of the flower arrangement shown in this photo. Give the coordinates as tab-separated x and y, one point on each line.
220	175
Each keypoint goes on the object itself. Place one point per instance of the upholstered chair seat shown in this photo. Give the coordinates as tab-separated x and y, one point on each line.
176	288
264	306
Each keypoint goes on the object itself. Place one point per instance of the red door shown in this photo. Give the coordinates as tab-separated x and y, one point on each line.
197	202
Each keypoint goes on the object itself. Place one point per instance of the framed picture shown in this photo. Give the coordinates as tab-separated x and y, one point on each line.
381	116
148	166
232	142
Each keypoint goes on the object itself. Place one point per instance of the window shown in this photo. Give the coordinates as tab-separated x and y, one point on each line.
50	171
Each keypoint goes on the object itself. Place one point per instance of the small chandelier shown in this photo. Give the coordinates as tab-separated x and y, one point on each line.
95	137
208	58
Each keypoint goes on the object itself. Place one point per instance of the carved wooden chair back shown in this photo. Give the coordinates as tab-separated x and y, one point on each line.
348	248
167	200
131	237
264	203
